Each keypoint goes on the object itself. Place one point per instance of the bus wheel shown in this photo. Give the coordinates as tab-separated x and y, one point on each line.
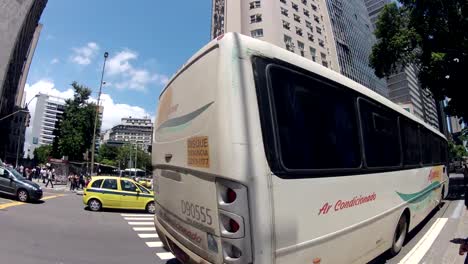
400	235
442	194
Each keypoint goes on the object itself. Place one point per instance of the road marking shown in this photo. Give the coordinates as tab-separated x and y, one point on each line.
423	245
148	235
144	229
165	255
141	223
142	215
458	210
139	218
154	244
3	206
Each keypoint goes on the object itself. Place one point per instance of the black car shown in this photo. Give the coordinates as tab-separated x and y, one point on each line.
13	183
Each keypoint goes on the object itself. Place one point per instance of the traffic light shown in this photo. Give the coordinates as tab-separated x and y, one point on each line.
28	120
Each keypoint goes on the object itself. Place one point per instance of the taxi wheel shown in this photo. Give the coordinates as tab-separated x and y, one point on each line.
150	208
94	205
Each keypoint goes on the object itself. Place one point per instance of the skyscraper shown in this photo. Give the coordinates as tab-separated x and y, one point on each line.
19	30
353	34
300	26
320	30
404	87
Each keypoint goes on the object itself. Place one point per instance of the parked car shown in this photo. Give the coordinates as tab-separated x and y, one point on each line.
13	183
117	192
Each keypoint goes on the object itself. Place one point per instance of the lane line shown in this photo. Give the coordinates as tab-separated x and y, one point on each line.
458	210
148	235
165	255
144	229
420	249
154	244
139	218
141	223
142	215
3	206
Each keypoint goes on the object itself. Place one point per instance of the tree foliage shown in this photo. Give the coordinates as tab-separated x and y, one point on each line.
42	153
124	157
75	131
432	35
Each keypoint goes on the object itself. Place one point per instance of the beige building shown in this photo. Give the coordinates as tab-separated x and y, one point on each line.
300	26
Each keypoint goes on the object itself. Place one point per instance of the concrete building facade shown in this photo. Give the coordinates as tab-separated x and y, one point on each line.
300	26
48	113
404	87
135	131
19	31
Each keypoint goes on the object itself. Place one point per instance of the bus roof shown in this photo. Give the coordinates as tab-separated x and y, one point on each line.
265	49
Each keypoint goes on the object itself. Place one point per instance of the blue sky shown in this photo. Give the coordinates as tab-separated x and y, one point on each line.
147	41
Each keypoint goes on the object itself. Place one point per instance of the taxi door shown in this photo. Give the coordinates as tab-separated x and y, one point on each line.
131	197
110	193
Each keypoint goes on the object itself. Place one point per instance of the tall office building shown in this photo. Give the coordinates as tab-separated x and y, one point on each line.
353	34
300	26
135	131
19	30
334	33
48	113
404	87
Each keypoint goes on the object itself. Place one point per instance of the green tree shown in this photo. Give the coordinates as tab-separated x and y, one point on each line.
42	153
456	151
432	35
74	135
127	153
108	155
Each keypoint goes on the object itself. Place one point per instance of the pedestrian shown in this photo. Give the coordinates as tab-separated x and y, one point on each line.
49	178
43	174
29	174
76	179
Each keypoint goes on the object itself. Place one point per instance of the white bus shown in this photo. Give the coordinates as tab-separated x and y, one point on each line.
262	156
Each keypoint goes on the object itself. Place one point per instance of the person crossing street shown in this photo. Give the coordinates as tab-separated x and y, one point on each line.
49	177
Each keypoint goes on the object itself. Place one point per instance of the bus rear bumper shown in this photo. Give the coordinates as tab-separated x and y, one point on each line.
175	247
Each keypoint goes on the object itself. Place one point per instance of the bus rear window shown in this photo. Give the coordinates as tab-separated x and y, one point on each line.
315	121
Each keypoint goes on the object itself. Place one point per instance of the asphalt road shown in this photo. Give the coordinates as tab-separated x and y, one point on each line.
60	231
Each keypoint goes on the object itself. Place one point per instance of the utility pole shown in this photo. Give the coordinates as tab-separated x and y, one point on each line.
106	54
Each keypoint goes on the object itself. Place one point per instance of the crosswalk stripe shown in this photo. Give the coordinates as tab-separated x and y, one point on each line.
154	244
143	215
144	228
141	223
165	255
148	235
138	218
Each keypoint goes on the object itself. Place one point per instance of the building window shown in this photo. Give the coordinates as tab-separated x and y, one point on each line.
310	37
309	26
283	1
254	4
314	7
319	30
306	13
256	18
299	31
257	33
300	46
316	18
321	43
286	25
304	2
297	18
295	7
284	11
325	63
312	53
288	42
323	56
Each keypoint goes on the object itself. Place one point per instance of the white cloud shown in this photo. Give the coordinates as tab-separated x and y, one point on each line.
113	111
54	61
84	55
120	67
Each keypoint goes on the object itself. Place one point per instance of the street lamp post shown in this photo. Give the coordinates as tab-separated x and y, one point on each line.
23	124
106	54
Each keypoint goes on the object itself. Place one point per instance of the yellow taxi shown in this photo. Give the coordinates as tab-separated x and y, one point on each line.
117	192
